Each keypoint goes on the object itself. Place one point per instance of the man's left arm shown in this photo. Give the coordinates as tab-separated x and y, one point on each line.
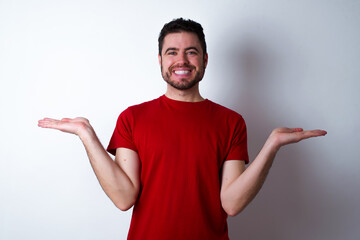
240	186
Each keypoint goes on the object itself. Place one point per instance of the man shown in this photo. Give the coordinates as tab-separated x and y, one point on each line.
179	159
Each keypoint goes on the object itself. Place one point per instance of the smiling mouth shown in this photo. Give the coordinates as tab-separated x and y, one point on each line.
182	69
181	72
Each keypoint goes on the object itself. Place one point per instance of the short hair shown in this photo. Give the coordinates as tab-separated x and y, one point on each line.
182	25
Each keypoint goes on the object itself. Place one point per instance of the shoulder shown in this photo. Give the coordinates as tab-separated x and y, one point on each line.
142	107
136	112
223	111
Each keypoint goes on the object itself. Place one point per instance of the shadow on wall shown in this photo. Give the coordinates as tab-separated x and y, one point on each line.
265	67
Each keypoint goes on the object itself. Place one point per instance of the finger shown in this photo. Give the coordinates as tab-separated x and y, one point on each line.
312	133
318	132
48	119
297	129
287	130
66	119
48	123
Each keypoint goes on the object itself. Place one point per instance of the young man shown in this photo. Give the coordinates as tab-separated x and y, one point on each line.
179	159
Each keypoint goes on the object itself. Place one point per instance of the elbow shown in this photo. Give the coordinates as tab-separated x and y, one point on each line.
124	206
235	205
231	211
232	208
126	203
125	200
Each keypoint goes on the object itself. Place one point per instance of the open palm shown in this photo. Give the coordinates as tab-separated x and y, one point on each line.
283	136
74	126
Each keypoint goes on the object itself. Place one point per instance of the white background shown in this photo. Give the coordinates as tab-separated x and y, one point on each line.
278	63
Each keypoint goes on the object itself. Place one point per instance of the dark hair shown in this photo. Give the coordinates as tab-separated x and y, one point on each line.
182	25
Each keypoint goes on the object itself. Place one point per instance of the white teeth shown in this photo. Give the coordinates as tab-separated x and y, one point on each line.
181	72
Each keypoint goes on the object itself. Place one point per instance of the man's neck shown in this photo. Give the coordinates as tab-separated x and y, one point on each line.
189	95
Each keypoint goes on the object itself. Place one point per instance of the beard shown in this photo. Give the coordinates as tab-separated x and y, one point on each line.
184	83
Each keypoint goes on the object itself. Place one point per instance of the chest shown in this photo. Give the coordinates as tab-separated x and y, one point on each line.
173	137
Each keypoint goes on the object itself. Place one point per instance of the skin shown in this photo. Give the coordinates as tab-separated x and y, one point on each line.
120	179
183	64
181	50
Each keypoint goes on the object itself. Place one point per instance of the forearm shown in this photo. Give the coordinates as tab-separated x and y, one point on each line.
114	181
245	187
238	193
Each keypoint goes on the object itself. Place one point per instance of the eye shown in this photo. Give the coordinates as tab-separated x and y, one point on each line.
192	53
171	53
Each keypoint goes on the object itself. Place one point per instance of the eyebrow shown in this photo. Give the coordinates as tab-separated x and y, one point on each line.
171	49
192	48
186	49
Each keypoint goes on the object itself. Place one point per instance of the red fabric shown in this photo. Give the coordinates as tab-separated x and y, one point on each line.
181	146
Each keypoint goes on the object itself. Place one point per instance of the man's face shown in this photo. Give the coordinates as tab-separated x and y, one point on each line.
182	60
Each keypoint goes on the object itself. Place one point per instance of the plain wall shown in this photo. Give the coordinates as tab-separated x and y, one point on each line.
278	63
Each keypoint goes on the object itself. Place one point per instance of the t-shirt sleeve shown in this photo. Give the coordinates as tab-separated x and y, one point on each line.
238	148
123	133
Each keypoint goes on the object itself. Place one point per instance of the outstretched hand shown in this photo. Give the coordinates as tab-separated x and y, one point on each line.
75	126
283	136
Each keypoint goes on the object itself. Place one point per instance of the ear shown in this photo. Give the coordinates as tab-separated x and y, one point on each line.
206	60
159	57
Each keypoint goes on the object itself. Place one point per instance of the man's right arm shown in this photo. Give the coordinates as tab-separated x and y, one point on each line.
120	179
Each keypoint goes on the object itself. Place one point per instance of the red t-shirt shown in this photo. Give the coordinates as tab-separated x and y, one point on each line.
182	147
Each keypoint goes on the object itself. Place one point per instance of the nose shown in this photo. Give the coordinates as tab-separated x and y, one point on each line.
182	58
